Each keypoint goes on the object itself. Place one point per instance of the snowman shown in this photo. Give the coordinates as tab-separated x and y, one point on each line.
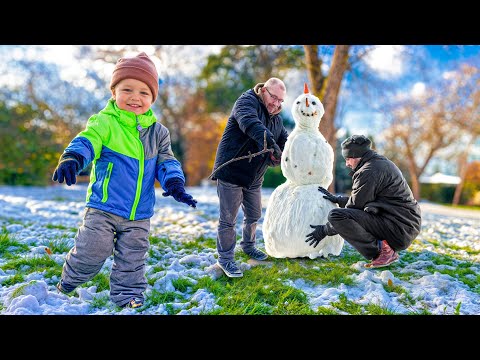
307	163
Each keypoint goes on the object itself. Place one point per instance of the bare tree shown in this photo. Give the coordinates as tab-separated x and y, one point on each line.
422	126
466	97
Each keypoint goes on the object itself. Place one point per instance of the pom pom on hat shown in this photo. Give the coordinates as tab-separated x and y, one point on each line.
141	68
355	146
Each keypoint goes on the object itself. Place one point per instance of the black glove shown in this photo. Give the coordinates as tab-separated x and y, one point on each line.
372	210
176	189
276	155
337	199
316	235
66	169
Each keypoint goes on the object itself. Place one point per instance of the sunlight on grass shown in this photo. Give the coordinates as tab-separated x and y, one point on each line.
12	280
20	290
182	284
101	281
352	308
101	302
58	246
34	264
9	245
155	298
259	292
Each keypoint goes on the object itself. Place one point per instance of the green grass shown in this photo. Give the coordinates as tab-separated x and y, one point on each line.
61	227
466	207
267	289
14	279
182	284
10	246
101	280
25	266
58	246
199	244
469	250
352	308
260	291
155	298
20	290
464	271
101	302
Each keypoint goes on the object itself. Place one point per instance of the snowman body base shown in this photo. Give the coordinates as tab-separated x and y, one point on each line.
291	210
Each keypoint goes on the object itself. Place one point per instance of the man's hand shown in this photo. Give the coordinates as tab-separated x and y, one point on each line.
316	235
336	199
177	190
276	155
66	170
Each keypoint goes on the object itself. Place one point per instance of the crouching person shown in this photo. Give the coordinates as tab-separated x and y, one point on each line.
381	216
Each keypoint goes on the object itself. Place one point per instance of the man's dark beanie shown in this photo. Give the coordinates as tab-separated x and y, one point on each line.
355	146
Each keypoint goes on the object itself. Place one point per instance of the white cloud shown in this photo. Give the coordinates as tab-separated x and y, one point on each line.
418	89
386	60
362	122
447	75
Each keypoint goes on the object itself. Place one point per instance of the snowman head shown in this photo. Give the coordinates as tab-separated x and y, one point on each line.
307	110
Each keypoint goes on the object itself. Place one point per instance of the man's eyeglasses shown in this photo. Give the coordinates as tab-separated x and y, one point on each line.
274	97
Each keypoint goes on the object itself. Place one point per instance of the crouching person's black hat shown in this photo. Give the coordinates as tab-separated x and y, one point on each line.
355	146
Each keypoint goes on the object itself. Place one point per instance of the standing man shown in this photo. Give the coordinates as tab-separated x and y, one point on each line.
381	216
255	113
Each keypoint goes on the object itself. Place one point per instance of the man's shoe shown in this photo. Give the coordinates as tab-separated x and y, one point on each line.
386	257
256	254
134	303
231	269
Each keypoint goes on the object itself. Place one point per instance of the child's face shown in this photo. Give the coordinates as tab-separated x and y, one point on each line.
133	95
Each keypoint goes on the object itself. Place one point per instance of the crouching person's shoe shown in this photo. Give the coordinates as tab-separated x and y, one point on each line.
386	257
134	303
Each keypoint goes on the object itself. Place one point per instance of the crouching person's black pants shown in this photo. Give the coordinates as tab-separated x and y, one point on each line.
364	231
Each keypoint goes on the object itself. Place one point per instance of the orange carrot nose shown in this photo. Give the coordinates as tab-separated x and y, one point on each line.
305	89
306	102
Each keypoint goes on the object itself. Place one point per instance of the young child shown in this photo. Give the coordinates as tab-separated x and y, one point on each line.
129	150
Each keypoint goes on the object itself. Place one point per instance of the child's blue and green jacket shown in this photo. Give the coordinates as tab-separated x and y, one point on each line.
128	152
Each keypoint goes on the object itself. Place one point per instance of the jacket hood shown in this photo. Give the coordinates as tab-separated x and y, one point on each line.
128	118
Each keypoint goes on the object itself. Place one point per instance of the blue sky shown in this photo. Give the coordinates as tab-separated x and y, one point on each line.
407	75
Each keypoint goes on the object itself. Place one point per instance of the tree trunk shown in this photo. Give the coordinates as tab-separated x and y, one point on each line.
413	170
462	167
332	91
314	70
415	187
327	91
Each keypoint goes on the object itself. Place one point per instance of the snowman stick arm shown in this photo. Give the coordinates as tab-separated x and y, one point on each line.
250	156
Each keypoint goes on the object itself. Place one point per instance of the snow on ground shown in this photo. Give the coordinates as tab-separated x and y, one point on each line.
38	216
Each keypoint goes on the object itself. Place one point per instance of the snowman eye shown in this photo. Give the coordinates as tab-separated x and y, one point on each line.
314	103
298	102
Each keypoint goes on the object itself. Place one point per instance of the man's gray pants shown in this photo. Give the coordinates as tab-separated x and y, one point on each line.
101	235
231	197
